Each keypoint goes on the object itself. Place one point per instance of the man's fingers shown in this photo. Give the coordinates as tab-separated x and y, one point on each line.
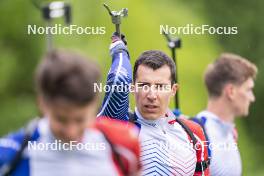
115	37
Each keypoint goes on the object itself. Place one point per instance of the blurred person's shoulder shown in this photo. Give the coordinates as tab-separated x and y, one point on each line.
212	125
195	127
124	137
120	132
12	143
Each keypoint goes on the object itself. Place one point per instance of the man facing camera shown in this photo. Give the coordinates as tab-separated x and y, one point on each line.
166	140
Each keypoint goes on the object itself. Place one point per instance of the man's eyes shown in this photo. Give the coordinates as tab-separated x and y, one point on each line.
64	120
61	119
156	86
141	85
79	120
161	85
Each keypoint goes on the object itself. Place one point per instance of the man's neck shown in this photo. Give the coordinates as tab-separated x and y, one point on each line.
221	109
146	118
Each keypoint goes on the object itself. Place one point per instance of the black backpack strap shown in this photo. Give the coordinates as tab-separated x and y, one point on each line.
132	117
200	166
188	130
29	130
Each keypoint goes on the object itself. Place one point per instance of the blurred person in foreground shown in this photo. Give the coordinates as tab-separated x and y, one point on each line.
68	140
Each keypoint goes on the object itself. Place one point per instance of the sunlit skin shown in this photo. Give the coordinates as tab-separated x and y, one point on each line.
242	97
67	121
234	101
153	102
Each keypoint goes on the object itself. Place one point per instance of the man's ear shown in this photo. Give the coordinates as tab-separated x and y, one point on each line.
229	91
175	87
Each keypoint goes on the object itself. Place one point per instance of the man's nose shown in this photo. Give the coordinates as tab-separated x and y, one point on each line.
71	131
152	94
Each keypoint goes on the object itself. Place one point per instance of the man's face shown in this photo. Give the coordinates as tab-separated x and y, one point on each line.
243	97
153	91
68	122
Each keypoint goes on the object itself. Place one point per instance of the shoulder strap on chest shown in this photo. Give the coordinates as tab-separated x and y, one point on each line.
188	130
200	166
132	117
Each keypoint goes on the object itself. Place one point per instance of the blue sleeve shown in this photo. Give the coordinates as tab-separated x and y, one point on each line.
9	146
116	101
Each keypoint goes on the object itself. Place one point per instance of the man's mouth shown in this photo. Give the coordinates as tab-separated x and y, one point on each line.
151	107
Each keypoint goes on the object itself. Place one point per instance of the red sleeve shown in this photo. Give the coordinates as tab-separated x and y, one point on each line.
123	135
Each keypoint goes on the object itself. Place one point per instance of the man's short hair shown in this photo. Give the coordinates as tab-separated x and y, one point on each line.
228	68
155	59
67	76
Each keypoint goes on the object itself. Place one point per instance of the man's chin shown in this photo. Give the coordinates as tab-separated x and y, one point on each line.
70	140
151	116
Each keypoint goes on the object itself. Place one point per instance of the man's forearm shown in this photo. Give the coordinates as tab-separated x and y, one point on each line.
116	101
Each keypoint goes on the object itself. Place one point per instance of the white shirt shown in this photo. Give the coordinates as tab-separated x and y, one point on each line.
94	159
166	149
224	151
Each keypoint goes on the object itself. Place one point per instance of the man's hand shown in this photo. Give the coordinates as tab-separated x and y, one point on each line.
115	37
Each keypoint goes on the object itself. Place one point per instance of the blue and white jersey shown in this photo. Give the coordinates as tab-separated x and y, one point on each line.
225	156
49	162
166	149
163	145
116	100
46	156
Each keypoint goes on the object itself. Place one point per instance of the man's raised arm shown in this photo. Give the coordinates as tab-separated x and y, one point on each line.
116	100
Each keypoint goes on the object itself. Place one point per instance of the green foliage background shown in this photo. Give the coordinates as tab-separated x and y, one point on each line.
20	52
